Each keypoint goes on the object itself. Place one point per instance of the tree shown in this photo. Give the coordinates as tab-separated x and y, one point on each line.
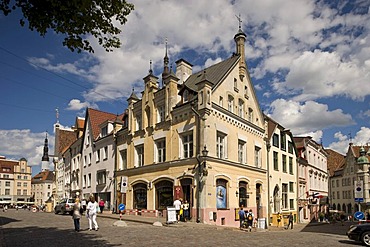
74	18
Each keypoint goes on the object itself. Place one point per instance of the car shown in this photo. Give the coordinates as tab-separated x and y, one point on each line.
360	232
65	206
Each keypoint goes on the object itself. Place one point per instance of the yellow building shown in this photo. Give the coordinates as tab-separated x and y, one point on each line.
200	137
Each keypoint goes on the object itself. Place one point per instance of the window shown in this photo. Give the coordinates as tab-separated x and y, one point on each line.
291	203
236	85
257	156
7	192
101	177
89	161
84	182
186	96
337	182
333	195
276	161
25	177
284	195
332	184
187	144
246	92
7	183
89	180
290	147
243	194
275	140
221	145
338	195
105	153
87	140
139	155
241	108
97	155
104	131
160	114
221	194
19	184
123	159
140	196
221	101
24	192
138	123
241	152
19	192
250	115
161	150
19	176
291	187
290	165
49	186
283	158
25	184
230	103
283	141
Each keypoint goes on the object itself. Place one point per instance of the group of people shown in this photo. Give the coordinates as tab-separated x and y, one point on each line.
290	220
91	210
246	218
182	209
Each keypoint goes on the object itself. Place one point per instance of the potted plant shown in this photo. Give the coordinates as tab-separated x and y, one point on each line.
321	216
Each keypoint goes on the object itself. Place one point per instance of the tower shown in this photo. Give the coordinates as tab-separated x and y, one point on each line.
45	156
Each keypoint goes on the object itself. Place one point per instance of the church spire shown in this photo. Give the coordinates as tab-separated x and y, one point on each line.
166	62
240	38
45	156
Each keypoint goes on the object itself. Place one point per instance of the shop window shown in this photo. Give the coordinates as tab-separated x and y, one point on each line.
140	196
164	195
221	194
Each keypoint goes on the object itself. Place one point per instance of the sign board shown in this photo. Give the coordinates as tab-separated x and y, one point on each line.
178	192
124	183
171	215
359	195
121	207
359	215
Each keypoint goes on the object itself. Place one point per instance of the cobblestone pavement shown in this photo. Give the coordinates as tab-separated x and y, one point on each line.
24	228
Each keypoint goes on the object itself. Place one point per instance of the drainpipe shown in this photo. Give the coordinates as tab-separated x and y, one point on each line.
268	147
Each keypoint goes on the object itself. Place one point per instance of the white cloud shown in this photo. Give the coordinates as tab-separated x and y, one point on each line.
76	105
16	144
362	137
308	117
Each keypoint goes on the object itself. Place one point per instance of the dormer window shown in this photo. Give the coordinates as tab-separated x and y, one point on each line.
186	96
104	131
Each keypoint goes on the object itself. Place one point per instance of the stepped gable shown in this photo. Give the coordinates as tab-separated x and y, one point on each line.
336	161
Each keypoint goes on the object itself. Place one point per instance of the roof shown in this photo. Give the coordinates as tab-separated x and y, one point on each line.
97	117
335	161
215	73
9	164
64	138
44	176
80	122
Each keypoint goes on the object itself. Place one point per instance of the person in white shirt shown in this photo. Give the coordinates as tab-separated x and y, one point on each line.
177	205
91	213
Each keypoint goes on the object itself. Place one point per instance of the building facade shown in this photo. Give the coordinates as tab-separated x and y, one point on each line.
42	187
15	181
200	137
313	179
282	172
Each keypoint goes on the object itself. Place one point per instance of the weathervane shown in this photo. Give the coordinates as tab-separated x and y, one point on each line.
239	20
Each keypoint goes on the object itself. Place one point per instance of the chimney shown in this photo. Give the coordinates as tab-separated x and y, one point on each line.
183	70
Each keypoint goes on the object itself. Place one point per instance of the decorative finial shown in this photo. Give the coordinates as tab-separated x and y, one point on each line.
57	114
150	68
239	20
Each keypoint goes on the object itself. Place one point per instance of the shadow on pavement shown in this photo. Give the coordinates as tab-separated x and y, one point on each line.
40	237
326	228
6	220
350	242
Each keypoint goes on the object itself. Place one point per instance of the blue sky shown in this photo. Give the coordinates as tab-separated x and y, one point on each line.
309	62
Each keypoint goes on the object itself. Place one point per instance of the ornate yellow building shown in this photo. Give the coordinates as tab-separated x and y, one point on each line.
200	137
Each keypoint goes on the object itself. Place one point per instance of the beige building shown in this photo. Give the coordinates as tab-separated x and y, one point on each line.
343	183
42	187
199	137
15	181
282	173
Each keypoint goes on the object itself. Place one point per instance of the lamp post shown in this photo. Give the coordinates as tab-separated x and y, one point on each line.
202	172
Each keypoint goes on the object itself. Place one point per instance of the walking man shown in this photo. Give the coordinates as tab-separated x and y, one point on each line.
290	221
241	217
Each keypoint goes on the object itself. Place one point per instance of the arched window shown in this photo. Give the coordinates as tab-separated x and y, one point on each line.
339	208
140	196
243	194
344	207
221	194
164	195
276	199
334	206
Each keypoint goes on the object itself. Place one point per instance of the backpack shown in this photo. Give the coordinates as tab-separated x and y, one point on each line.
250	217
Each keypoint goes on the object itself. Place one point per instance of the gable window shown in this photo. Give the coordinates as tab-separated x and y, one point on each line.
246	92
104	131
236	85
160	114
101	177
241	152
221	145
221	194
275	140
221	101
290	147
123	159
250	115
230	103
241	108
283	141
187	145
257	156
161	150
139	155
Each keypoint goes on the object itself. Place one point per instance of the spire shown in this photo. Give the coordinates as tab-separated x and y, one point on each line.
240	38
57	114
166	62
150	68
45	156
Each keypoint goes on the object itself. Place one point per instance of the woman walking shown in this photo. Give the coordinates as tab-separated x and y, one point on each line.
76	215
91	214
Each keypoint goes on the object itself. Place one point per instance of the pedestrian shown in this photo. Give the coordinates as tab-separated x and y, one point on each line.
342	217
279	219
250	217
290	221
101	205
177	205
83	204
91	213
241	214
186	210
76	214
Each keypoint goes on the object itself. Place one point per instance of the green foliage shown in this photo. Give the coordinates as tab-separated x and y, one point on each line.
75	19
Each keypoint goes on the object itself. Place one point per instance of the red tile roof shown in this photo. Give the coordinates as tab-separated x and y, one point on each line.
65	139
97	117
335	161
43	176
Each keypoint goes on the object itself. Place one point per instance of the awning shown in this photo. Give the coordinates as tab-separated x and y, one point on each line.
324	200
